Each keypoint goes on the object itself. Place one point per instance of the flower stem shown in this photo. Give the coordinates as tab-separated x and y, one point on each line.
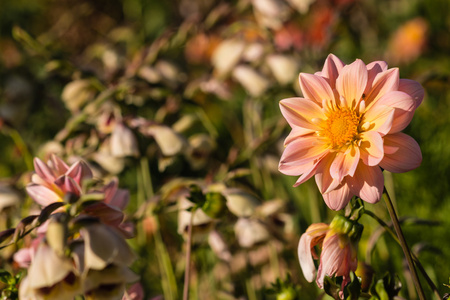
416	260
403	244
188	258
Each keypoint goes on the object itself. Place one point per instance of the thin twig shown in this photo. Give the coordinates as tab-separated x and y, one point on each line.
416	260
188	258
403	244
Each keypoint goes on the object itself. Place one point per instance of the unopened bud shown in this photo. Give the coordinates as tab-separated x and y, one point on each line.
214	205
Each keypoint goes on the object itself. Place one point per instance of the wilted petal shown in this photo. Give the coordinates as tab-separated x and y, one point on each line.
250	232
227	55
352	81
123	142
367	183
402	153
305	257
47	268
284	68
241	203
103	246
315	88
300	112
255	83
331	257
169	141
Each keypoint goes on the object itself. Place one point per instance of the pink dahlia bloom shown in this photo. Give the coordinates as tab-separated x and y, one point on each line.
54	180
339	250
347	126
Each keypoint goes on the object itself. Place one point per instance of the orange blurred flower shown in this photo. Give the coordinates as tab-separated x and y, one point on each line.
408	42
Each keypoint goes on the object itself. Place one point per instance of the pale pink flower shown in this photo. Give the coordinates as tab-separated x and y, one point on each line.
347	126
339	250
54	180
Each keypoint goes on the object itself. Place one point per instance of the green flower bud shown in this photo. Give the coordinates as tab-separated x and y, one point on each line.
343	225
214	205
288	293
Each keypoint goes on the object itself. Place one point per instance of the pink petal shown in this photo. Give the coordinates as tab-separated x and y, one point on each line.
379	118
373	69
404	154
330	258
42	195
23	257
352	81
384	82
323	178
331	69
367	183
412	88
403	106
307	172
68	185
43	170
300	112
58	165
338	198
315	88
79	171
371	147
297	132
345	163
307	241
305	257
302	151
120	199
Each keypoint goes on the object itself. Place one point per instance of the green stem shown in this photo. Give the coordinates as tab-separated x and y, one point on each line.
187	275
403	244
22	147
416	260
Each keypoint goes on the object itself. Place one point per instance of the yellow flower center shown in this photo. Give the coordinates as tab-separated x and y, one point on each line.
341	127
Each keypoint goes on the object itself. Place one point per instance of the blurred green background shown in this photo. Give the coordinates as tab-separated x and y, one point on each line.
45	44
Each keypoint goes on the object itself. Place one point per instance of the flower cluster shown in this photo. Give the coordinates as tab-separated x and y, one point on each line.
81	248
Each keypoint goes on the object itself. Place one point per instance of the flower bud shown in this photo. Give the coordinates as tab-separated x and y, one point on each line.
214	205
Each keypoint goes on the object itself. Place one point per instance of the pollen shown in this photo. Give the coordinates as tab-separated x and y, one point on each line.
341	127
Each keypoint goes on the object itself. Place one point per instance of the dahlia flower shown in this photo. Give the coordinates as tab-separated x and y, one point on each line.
347	126
339	244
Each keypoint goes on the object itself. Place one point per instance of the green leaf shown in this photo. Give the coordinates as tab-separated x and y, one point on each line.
353	289
5	276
